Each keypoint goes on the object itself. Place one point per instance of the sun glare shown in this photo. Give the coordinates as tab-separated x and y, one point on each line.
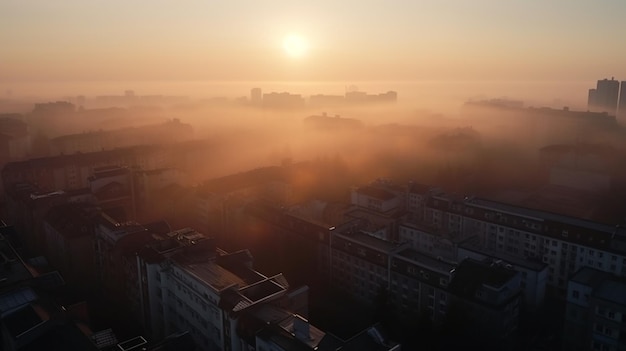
295	45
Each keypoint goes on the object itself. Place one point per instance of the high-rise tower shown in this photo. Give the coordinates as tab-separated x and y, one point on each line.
607	92
256	96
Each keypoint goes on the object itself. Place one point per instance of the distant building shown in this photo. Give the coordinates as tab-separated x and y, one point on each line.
221	201
592	100
15	138
114	187
621	112
129	98
72	171
54	108
164	133
321	100
256	96
360	97
330	123
282	100
604	97
586	167
149	184
539	126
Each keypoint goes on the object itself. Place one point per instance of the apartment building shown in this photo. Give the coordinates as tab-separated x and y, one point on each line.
72	171
564	243
534	272
186	283
417	284
595	316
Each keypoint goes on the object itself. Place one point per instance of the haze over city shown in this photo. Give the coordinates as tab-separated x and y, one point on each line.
328	175
347	42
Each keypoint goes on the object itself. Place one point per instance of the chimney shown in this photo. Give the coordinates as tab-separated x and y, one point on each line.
301	328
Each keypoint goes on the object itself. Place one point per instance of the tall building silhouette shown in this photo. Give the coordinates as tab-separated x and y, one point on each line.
604	97
256	96
592	100
621	112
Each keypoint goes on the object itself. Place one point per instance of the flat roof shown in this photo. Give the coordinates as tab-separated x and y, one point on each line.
213	275
17	269
379	193
612	290
369	241
589	276
22	320
426	261
473	244
315	335
419	225
16	298
540	215
471	274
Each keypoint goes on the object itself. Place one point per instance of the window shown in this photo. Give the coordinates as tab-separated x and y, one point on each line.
575	294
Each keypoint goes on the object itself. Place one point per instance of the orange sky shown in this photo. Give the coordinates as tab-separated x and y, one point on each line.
77	40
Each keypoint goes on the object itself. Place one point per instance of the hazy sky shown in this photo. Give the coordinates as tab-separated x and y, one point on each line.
347	39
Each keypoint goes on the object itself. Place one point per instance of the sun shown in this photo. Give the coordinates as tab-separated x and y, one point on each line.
295	45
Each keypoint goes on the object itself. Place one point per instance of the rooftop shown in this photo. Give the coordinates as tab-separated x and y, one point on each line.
88	158
473	244
418	188
370	220
427	261
376	192
61	337
565	201
267	289
73	219
214	275
108	171
372	339
234	182
471	275
540	215
589	276
12	268
23	319
15	299
612	290
369	241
